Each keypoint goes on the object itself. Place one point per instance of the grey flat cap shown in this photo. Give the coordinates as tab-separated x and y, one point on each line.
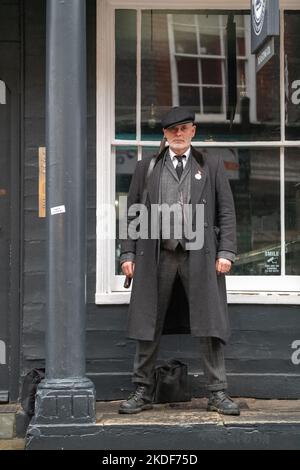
177	115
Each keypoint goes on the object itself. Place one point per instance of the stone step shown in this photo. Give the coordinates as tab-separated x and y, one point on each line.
12	444
8	428
263	424
7	421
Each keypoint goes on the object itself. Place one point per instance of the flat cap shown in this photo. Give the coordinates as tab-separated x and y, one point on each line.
177	115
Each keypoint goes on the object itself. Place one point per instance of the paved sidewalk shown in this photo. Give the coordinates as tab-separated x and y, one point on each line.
263	424
252	411
12	444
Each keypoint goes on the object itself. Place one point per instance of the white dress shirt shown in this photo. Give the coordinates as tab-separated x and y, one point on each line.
184	160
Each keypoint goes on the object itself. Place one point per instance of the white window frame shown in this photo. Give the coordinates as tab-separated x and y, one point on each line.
109	287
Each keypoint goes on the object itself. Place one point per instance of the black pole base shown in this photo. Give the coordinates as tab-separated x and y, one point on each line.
68	403
65	401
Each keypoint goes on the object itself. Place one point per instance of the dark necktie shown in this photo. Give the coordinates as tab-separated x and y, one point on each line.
179	167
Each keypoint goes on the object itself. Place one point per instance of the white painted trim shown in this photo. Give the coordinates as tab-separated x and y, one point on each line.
2	92
233	297
105	279
105	133
274	298
178	4
259	284
113	298
194	4
139	76
290	284
282	150
209	144
282	78
173	66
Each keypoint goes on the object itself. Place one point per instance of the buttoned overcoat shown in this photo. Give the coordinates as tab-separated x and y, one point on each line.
203	311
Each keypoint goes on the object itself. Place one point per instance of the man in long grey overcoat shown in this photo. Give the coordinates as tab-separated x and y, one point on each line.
178	282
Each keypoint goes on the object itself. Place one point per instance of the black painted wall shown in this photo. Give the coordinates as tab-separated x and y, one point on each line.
11	74
259	354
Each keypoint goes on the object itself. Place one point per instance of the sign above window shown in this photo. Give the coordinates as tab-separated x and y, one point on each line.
264	22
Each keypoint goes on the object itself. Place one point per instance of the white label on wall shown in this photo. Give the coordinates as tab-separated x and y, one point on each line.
2	92
58	210
296	354
2	353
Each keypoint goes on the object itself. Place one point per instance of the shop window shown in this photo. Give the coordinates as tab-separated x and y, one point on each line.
155	59
255	184
183	62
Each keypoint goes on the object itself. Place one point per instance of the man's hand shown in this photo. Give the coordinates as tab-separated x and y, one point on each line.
128	269
223	266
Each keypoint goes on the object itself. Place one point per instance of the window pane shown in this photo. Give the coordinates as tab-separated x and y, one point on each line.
241	76
166	39
211	72
292	210
150	151
125	73
187	70
126	158
241	46
189	96
255	180
210	43
268	98
212	100
292	55
185	41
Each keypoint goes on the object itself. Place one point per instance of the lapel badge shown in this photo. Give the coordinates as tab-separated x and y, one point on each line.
198	175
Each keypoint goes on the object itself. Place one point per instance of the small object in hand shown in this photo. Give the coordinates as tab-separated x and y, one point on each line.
127	282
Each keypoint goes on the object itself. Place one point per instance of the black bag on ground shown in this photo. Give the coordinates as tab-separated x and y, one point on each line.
29	387
171	383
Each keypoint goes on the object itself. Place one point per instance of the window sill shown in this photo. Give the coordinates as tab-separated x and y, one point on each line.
234	297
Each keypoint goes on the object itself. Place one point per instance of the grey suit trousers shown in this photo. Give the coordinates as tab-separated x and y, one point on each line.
212	354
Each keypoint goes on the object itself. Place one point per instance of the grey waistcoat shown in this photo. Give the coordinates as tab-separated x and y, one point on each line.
173	192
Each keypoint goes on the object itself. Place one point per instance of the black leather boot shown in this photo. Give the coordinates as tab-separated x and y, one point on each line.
138	401
223	404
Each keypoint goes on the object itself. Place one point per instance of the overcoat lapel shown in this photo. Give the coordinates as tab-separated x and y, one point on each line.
153	184
197	185
154	181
